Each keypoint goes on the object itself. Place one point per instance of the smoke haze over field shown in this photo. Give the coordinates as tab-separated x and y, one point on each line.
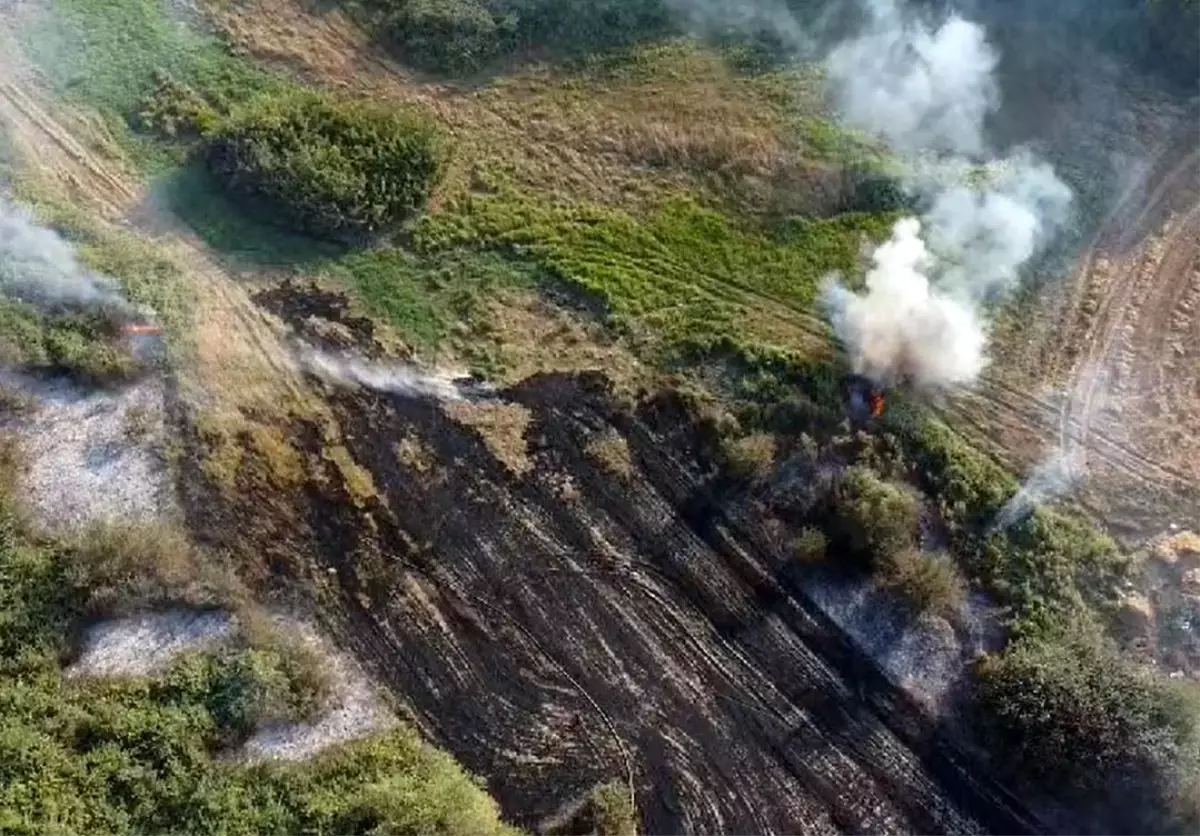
38	265
928	90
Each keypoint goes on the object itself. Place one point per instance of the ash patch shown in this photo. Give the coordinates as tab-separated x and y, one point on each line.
355	711
92	455
928	658
141	645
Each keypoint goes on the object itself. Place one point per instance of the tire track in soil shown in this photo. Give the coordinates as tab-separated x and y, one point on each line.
997	408
636	620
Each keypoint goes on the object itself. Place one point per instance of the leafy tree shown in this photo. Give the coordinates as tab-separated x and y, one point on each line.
1067	713
332	168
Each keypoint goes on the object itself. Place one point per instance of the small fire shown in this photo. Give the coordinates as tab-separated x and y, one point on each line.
878	404
141	330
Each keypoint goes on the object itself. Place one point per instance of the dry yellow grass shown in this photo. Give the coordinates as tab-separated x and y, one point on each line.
414	454
355	478
611	450
502	427
622	138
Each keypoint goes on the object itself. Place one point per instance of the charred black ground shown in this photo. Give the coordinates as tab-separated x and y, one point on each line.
568	626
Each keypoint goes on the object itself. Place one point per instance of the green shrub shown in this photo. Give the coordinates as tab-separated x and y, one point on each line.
453	36
930	583
810	546
1067	713
332	168
877	519
175	111
751	458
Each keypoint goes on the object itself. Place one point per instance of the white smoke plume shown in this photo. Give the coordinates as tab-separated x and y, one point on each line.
891	328
1056	476
923	89
928	90
397	378
39	266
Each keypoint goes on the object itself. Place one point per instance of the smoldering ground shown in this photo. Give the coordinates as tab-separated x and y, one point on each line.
39	266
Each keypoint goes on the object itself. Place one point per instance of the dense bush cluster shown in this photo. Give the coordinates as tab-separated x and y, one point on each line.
460	36
332	168
1067	712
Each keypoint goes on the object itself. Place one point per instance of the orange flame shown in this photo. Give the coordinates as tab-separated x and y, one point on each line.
138	330
878	404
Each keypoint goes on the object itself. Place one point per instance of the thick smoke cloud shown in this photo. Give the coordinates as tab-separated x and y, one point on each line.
890	328
922	89
928	90
38	266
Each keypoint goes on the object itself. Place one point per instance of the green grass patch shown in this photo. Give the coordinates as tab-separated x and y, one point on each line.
238	229
687	274
430	300
111	54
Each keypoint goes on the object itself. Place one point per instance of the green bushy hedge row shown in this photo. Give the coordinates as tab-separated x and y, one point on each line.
333	168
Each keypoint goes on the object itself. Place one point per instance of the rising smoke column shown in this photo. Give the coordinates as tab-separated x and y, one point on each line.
38	265
927	91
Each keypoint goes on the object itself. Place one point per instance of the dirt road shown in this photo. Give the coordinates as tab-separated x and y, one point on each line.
1127	339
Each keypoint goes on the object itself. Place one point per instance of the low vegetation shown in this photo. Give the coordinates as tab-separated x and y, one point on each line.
692	286
462	36
929	581
85	346
1067	712
332	168
143	755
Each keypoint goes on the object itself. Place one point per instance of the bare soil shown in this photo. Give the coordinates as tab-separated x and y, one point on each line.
1111	378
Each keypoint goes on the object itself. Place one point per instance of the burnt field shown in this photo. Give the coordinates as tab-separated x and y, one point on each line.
568	616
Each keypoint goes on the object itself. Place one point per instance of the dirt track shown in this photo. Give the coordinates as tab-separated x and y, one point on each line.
1122	385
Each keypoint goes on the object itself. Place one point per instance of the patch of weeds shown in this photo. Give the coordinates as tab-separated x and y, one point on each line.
929	582
751	458
121	568
810	545
430	299
111	54
85	346
611	450
412	453
687	274
357	480
139	422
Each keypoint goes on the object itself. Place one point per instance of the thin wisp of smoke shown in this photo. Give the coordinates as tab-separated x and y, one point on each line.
928	90
1056	476
396	378
37	265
